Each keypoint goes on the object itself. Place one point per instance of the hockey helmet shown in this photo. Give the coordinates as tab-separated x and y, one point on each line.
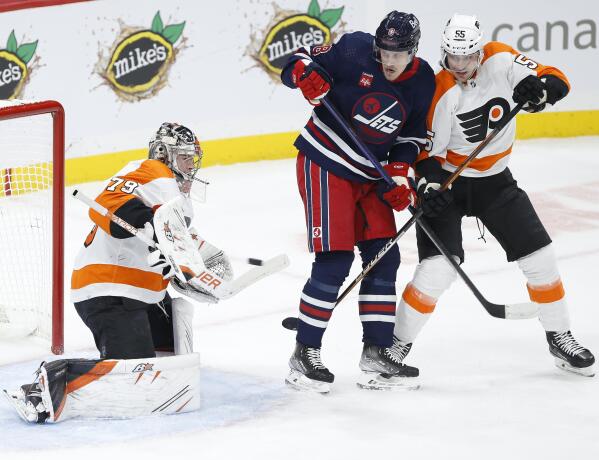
178	148
397	32
462	38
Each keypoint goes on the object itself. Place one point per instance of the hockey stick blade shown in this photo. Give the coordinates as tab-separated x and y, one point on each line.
253	275
524	310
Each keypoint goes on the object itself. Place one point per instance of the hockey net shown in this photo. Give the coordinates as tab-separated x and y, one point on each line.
31	220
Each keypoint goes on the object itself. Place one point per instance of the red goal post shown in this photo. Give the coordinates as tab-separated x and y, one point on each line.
31	219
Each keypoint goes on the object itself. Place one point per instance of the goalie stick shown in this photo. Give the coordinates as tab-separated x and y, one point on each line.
524	310
227	289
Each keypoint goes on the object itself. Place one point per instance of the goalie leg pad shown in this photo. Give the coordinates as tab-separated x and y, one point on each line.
120	388
133	387
183	326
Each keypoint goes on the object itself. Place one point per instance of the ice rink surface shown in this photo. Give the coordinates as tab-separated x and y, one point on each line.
489	386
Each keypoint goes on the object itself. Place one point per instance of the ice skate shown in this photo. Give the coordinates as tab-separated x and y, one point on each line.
382	370
569	354
307	371
400	349
28	403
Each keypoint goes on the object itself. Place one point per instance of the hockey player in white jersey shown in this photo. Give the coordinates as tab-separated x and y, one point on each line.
118	287
115	282
476	88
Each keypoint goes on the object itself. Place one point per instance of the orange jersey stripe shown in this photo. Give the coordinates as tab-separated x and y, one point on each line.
417	300
548	293
105	273
480	164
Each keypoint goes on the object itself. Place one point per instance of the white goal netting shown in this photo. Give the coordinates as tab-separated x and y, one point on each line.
26	210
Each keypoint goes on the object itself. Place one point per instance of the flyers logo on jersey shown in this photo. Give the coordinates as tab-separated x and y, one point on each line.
377	116
477	122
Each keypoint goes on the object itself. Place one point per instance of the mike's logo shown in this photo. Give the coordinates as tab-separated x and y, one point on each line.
476	123
13	66
377	116
140	59
290	31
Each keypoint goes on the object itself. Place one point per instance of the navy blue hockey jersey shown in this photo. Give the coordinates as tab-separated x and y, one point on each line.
390	117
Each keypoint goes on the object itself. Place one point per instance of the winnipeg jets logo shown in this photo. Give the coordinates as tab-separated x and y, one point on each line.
377	116
477	122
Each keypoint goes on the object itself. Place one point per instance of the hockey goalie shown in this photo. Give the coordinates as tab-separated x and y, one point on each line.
141	241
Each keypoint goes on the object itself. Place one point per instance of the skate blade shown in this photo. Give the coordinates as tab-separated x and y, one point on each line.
585	371
19	405
299	381
376	381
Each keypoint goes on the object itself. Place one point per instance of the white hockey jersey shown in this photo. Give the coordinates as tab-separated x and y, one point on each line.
109	266
461	115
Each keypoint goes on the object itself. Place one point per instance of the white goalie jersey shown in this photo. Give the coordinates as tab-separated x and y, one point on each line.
112	262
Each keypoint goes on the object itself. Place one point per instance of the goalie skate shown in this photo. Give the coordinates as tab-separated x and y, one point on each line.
25	409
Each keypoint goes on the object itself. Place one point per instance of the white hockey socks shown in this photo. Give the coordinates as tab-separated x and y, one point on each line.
431	278
545	288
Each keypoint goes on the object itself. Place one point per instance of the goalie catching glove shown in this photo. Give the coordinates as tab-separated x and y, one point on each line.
219	267
214	259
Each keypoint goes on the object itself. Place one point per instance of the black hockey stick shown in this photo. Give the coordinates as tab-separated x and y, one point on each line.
509	311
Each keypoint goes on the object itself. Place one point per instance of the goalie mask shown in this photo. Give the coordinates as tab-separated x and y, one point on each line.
461	47
178	148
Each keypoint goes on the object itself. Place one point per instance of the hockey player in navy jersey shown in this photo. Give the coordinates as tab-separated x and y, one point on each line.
384	92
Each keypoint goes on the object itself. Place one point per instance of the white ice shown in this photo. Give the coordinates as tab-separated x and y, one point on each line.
490	389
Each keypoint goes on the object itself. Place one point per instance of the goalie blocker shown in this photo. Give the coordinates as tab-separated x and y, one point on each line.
129	388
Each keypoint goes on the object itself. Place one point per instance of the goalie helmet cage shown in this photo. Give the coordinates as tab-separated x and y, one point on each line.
32	220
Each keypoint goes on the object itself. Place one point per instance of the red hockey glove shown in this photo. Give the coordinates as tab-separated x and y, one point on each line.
402	195
312	80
